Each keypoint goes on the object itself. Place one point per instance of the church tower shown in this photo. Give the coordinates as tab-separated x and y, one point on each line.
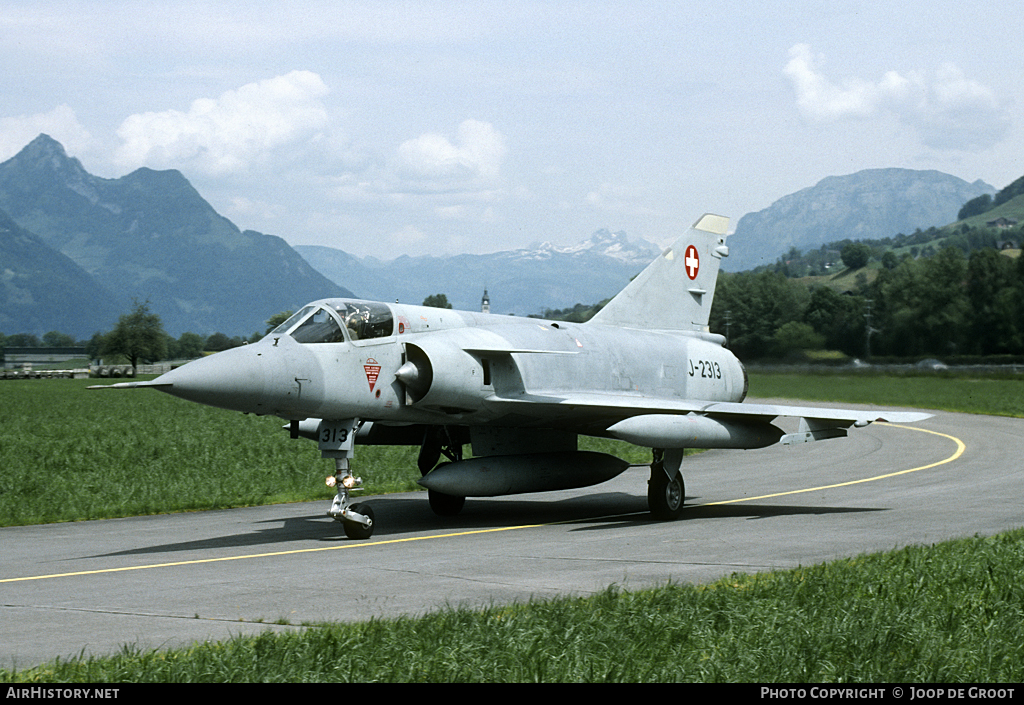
485	303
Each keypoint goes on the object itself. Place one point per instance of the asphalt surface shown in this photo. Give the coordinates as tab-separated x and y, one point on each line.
167	581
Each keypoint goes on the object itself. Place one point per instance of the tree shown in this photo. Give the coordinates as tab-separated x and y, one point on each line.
794	336
22	340
922	307
758	305
837	317
855	255
190	346
990	290
437	301
277	319
138	336
220	341
94	348
975	206
56	339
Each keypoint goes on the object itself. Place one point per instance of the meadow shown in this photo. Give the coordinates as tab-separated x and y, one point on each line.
998	395
951	612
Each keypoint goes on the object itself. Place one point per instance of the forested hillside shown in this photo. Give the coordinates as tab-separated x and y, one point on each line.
957	290
942	292
949	304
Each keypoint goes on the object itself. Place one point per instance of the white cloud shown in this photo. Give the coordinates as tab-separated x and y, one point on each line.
231	133
477	153
819	99
60	123
949	110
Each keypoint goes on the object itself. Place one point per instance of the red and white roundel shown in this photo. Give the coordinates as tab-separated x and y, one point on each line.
692	262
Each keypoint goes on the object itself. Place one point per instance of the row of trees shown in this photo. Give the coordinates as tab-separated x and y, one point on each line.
139	337
949	304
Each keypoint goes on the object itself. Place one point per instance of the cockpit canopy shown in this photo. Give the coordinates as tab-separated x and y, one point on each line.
324	321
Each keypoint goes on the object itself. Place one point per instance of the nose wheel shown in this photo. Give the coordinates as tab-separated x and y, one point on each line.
357	529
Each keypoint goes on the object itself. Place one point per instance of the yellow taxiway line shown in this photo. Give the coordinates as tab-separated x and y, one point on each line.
960	448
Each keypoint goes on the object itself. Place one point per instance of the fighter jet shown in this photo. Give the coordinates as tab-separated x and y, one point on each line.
519	391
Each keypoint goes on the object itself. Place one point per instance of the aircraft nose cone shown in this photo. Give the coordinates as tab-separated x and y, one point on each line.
232	379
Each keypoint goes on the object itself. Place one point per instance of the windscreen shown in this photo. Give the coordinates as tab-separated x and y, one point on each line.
295	318
321	327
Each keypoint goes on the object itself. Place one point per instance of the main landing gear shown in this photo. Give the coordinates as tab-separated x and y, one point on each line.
666	489
438	440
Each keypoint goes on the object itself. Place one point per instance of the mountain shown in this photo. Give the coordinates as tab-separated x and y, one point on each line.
150	235
524	281
42	290
870	204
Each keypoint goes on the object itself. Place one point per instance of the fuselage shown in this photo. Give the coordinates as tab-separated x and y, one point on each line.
396	363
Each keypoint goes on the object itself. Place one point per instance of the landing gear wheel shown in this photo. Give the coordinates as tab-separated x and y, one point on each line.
355	530
445	505
665	497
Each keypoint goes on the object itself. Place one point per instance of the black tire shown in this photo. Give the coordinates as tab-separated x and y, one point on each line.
357	531
445	505
665	497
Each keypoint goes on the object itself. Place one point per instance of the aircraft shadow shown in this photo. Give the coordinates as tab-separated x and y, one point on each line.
401	515
738	511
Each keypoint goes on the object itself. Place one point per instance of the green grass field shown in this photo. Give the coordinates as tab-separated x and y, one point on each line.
70	454
953	612
948	391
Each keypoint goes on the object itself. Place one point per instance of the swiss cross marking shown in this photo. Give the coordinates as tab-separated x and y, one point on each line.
692	262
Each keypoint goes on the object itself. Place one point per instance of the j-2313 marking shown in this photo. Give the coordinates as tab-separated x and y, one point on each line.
708	369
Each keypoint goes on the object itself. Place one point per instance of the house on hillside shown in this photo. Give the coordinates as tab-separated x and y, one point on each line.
1001	223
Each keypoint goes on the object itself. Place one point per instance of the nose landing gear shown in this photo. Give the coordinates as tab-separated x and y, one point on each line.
337	440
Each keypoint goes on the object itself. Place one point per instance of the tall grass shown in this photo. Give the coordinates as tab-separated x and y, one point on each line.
70	454
949	392
950	613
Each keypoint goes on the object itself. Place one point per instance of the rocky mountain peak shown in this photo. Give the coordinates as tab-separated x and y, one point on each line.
869	204
602	242
44	161
45	154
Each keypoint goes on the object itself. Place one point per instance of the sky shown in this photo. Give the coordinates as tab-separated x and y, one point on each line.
392	128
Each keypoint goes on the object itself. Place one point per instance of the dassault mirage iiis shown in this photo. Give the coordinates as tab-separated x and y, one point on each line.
520	391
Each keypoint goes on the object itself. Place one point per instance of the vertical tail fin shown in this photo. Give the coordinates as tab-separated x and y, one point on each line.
675	291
